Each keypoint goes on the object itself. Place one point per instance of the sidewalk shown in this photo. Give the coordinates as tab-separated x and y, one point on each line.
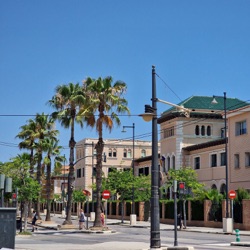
52	226
58	220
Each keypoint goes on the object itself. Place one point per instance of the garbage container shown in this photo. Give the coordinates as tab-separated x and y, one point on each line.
7	227
18	223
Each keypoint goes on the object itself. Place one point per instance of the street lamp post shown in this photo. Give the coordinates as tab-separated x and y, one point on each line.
133	165
226	153
227	223
151	114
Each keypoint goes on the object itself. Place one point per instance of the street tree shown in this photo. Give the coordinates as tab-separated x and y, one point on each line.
28	188
53	150
67	101
106	99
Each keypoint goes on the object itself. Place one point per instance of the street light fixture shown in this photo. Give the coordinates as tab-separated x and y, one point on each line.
133	165
225	137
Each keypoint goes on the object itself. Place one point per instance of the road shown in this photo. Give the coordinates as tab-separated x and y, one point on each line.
124	238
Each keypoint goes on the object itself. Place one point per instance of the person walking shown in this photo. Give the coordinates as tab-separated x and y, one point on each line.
34	219
81	220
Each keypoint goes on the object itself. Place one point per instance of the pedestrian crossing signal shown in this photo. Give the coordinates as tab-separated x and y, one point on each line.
181	187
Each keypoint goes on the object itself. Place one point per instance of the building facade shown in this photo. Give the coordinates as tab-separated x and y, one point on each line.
117	154
198	141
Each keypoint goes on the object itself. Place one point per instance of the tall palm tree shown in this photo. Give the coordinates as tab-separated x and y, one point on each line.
107	100
67	101
53	150
27	134
44	129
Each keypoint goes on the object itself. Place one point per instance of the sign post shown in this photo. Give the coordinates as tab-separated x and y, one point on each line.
106	195
232	196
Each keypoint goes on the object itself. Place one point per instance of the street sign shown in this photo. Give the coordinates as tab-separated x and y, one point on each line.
106	194
232	194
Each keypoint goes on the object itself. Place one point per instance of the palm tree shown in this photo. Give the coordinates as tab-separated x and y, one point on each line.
53	150
44	129
67	101
27	133
108	101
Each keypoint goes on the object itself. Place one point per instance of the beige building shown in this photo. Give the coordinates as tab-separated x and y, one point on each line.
118	154
239	148
198	141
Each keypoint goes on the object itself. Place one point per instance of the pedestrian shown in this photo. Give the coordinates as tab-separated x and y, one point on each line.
81	220
102	218
34	219
179	220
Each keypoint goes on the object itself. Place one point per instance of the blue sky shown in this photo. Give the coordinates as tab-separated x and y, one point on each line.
198	48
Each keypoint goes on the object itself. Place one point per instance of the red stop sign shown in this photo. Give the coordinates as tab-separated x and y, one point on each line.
14	196
106	194
232	194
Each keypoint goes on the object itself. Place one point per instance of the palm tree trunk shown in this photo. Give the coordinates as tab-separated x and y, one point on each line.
48	186
39	177
99	150
72	144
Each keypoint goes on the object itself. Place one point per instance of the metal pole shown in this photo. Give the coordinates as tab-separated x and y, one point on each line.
155	241
175	214
133	166
92	203
225	136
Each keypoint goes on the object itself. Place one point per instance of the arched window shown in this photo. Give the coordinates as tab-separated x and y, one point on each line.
168	163
208	130
213	186
143	153
125	153
223	189
129	153
173	162
197	130
110	152
202	130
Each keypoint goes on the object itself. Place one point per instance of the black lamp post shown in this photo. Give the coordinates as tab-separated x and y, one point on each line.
226	153
133	165
151	114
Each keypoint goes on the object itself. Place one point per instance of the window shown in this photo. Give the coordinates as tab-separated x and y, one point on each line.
114	152
143	153
223	159
83	172
78	173
173	162
247	159
222	133
110	153
241	128
202	130
168	163
168	132
124	153
208	130
129	153
237	161
197	163
197	130
213	160
144	171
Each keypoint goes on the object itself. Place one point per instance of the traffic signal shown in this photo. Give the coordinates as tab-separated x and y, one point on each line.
181	187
